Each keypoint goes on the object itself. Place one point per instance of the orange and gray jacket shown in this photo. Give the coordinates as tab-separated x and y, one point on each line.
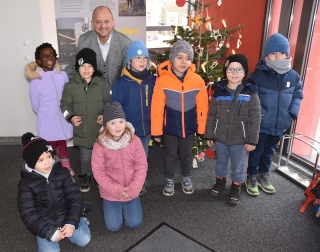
179	108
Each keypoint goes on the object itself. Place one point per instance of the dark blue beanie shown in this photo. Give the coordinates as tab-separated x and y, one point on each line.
276	43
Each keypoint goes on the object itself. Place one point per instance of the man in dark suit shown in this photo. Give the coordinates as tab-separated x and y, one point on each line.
109	45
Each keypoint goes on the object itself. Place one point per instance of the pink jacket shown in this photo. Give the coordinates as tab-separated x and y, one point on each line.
117	165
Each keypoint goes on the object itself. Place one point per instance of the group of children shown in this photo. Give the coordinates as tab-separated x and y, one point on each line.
113	132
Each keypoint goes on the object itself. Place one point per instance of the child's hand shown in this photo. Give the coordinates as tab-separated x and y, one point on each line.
76	121
249	147
124	193
59	237
100	119
67	230
157	139
209	142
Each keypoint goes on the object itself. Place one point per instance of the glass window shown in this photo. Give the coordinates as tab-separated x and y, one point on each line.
160	20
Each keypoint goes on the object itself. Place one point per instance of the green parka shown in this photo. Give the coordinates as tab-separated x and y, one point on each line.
86	101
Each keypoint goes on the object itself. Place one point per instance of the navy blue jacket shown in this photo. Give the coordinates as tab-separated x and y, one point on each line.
135	97
280	97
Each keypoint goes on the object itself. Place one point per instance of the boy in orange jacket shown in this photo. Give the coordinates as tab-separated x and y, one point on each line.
178	111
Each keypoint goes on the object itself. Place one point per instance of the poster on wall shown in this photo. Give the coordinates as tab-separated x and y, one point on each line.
73	18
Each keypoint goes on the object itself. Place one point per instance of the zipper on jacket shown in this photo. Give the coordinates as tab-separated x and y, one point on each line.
55	88
244	131
182	111
276	125
239	108
141	109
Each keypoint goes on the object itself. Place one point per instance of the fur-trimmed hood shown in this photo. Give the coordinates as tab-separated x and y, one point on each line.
33	70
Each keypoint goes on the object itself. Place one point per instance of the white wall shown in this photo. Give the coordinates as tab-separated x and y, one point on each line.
21	22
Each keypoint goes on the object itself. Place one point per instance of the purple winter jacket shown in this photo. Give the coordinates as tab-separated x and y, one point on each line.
45	94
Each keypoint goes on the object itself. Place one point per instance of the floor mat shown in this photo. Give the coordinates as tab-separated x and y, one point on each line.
166	238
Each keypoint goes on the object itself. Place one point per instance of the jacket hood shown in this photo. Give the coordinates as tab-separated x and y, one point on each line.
165	68
33	70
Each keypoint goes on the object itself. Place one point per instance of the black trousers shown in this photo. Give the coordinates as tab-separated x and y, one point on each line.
177	148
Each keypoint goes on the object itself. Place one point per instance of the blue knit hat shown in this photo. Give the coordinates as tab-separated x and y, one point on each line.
137	49
276	43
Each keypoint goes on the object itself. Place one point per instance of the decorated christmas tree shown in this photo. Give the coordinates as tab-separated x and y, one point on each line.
211	48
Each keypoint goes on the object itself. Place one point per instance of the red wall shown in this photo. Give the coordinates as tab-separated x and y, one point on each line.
308	120
247	12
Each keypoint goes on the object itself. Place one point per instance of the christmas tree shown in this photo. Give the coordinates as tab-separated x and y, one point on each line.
211	48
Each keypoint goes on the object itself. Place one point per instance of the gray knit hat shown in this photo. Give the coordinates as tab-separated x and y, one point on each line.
181	46
112	111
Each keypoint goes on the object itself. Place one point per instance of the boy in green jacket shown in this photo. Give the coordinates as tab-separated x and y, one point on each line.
82	104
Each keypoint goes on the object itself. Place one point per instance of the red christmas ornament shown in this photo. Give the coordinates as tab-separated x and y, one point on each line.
210	153
180	3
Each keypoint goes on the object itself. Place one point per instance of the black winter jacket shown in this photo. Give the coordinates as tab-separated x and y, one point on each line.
46	204
234	119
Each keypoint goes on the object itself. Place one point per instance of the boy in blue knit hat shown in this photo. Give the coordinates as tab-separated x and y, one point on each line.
280	93
134	89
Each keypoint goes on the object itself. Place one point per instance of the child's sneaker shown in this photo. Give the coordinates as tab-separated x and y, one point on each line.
218	187
168	189
265	184
235	193
187	187
251	185
85	184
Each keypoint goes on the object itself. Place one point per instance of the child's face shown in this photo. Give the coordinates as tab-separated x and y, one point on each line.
116	127
47	59
181	63
138	64
235	73
44	163
276	56
86	71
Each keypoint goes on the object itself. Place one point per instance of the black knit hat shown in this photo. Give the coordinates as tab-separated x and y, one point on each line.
33	147
86	55
112	111
240	58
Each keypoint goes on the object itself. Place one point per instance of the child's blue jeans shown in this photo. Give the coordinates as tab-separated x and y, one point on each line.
237	154
145	143
260	159
115	211
81	237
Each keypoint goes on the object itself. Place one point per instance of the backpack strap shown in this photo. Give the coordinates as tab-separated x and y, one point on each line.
309	194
